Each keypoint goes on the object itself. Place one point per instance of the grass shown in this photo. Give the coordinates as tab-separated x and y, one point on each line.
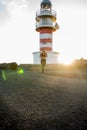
35	101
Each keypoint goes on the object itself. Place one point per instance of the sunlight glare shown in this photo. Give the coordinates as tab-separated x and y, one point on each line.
66	60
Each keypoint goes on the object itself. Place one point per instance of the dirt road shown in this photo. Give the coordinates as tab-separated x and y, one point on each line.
35	101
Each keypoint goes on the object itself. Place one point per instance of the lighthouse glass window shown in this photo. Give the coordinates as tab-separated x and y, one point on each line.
46	21
45	6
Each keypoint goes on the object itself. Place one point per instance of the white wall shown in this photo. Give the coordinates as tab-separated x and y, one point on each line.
51	59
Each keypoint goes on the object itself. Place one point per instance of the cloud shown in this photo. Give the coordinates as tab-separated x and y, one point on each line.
20	2
7	5
4	13
31	4
82	3
6	8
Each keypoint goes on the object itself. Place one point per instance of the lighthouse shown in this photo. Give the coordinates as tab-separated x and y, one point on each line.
46	24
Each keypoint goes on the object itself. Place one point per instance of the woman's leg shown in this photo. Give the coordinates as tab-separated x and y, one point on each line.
43	65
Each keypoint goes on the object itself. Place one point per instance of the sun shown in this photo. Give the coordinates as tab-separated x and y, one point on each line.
67	59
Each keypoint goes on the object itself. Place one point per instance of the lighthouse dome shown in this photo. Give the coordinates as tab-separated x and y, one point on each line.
46	3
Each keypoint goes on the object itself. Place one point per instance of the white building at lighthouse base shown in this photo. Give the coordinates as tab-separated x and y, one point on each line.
52	57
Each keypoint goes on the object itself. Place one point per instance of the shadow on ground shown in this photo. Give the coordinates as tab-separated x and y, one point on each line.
11	120
41	102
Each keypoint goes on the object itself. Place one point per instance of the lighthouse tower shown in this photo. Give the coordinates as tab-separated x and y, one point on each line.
46	24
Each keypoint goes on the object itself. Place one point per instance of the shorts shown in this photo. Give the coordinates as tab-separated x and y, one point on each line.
43	62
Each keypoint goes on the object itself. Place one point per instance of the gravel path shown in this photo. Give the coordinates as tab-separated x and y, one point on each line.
35	101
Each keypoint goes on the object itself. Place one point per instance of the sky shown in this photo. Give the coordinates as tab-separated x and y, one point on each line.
19	39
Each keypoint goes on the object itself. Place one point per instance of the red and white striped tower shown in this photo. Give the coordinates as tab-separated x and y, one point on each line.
46	25
46	39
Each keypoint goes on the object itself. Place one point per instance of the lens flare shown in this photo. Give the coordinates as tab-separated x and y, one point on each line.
20	71
4	75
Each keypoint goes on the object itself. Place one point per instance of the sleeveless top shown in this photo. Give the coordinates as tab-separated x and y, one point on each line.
43	55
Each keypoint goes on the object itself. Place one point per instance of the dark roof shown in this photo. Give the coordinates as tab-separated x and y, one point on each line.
46	2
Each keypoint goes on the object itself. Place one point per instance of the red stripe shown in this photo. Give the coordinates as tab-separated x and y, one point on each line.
45	30
46	40
46	48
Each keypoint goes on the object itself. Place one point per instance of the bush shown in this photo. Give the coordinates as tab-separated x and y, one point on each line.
3	66
12	66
